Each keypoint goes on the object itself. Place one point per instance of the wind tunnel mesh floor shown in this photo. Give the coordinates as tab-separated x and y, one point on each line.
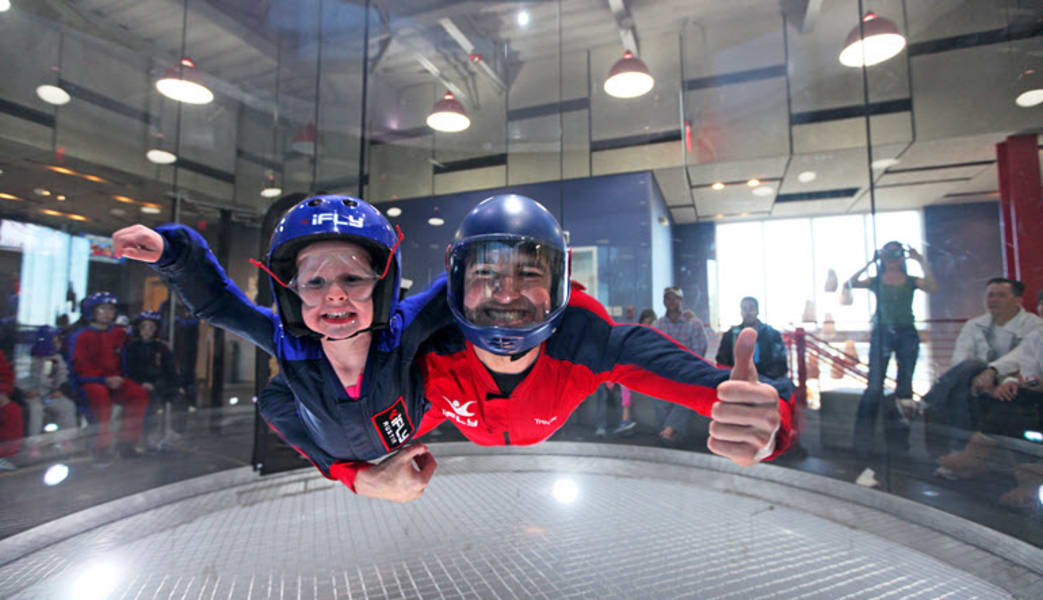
484	535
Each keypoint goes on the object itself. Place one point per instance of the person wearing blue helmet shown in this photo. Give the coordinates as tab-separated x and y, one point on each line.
150	363
96	354
45	391
345	393
527	347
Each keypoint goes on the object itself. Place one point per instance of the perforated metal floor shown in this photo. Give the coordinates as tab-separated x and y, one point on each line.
483	535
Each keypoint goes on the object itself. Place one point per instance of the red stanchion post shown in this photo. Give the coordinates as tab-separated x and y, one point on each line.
801	395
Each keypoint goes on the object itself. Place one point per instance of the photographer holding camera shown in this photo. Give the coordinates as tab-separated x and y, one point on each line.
894	330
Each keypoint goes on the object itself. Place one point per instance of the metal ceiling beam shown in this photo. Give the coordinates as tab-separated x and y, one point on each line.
474	57
625	25
802	13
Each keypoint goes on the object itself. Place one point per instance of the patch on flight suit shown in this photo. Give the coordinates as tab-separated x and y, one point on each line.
394	425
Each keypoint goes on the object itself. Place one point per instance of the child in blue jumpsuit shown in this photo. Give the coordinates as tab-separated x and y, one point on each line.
343	341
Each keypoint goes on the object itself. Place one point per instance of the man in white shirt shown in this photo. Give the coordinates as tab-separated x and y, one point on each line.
994	337
987	349
1009	410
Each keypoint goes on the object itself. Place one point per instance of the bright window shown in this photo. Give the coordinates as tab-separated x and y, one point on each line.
785	264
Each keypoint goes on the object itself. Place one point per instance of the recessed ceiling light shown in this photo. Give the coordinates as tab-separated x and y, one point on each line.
744	214
719	216
50	212
52	94
123	199
60	197
76	217
62	170
717	186
884	163
436	221
150	209
94	178
1029	98
753	182
160	157
9	196
271	192
119	212
42	192
763	190
523	18
806	176
394	211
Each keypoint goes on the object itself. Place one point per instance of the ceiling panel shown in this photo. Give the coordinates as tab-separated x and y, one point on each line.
683	215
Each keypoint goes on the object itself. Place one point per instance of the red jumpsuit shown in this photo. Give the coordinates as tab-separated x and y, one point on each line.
586	349
96	355
11	424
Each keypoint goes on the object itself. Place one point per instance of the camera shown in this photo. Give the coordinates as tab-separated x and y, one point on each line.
893	253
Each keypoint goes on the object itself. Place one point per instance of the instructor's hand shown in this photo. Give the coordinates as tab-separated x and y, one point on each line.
747	415
401	478
138	242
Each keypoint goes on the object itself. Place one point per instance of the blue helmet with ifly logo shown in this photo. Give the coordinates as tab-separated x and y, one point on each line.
508	274
149	315
88	304
333	218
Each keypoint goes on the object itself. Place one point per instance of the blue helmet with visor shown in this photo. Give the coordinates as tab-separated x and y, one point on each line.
332	218
508	274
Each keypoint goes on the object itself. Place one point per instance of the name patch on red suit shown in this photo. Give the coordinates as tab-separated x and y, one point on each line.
394	425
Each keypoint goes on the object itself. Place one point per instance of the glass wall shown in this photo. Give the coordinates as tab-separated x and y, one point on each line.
764	161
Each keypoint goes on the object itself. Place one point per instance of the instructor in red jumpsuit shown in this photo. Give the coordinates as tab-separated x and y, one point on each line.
527	348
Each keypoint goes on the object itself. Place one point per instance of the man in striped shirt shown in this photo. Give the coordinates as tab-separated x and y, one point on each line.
673	418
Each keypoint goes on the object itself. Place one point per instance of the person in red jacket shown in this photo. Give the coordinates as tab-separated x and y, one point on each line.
11	424
96	352
527	347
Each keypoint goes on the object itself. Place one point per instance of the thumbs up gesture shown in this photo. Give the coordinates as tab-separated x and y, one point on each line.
746	416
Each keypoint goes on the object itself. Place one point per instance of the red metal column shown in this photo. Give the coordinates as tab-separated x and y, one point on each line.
1021	213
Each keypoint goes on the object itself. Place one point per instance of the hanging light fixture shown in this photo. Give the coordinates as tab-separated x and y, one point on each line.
304	141
53	93
448	115
876	40
161	157
182	83
628	78
157	154
1030	89
271	188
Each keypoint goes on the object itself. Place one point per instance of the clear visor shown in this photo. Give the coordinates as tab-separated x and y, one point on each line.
503	284
322	275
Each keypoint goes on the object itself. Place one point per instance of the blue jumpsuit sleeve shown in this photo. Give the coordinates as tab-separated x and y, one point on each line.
279	409
188	266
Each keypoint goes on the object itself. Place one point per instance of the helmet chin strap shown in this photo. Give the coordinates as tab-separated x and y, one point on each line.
519	355
370	328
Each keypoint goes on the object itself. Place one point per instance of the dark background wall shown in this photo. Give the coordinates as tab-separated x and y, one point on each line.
964	251
612	212
693	245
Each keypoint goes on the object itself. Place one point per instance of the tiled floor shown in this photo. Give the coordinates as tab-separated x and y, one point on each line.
495	534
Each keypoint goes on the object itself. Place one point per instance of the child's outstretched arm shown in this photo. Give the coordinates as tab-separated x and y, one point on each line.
184	260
